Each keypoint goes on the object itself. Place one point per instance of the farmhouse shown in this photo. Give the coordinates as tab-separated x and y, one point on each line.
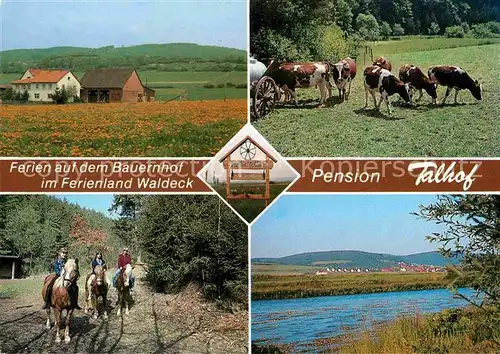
114	85
41	84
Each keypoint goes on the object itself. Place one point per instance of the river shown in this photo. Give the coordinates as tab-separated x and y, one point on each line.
300	321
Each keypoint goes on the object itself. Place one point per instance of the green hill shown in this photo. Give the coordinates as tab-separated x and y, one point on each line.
360	259
165	57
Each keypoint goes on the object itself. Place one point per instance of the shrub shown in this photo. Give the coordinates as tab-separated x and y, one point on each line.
209	85
229	84
398	30
385	30
454	32
60	96
241	86
330	43
481	31
434	29
494	27
221	85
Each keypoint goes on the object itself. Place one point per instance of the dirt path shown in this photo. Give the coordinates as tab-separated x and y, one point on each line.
157	323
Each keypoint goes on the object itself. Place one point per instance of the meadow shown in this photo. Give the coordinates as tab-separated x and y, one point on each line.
269	287
468	129
250	208
176	128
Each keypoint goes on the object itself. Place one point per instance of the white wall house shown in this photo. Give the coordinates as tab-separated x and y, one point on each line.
41	84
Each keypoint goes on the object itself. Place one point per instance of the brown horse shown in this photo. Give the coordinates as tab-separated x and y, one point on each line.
123	289
97	286
60	298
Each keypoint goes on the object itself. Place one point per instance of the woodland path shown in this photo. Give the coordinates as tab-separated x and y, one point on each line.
157	323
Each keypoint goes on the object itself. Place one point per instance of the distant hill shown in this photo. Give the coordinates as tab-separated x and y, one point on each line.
147	57
360	259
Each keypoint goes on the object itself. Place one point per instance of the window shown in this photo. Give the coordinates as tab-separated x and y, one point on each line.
50	86
37	86
49	96
43	86
69	78
24	87
37	95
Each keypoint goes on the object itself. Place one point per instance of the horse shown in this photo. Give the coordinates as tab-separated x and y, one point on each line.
123	289
60	298
99	287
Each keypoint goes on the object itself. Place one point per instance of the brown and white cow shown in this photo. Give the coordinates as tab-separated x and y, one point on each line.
387	84
456	78
412	75
343	73
383	62
308	74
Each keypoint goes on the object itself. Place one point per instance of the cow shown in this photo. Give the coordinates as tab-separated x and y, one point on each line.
289	76
412	75
383	62
456	78
343	73
383	81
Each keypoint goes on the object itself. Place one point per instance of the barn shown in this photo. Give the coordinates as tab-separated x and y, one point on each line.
10	266
114	85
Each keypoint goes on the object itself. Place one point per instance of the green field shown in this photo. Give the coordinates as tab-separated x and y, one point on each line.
281	269
308	285
469	129
169	85
250	208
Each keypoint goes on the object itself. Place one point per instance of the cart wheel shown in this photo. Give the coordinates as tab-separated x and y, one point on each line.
265	97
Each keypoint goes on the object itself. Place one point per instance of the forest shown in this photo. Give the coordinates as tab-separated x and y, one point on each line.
179	239
177	57
319	30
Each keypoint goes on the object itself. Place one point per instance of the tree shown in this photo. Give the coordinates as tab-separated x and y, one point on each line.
24	97
472	236
60	96
398	30
125	227
198	239
368	27
385	30
434	29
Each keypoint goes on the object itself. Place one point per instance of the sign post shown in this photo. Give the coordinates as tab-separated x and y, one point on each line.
260	169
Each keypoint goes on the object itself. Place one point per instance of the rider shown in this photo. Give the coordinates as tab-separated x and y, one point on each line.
98	260
124	259
59	270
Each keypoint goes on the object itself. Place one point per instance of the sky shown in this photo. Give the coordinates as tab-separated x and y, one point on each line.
280	172
92	23
373	223
98	202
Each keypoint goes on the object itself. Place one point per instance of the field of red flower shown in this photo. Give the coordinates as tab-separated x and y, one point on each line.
176	128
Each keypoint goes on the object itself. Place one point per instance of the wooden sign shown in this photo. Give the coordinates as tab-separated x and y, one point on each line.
250	165
242	176
248	150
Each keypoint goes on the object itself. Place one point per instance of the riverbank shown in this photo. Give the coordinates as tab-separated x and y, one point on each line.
273	287
468	330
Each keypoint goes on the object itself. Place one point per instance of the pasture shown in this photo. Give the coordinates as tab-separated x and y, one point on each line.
469	129
272	286
176	128
157	323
